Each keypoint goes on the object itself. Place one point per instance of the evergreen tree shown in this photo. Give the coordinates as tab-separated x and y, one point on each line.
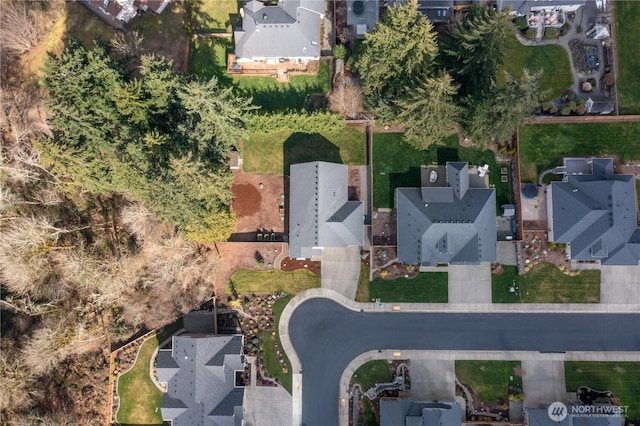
473	51
429	113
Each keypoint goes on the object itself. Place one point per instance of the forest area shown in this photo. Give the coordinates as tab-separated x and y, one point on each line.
113	182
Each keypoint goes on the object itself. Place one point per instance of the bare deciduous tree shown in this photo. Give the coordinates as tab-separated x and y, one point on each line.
127	44
20	26
139	221
346	99
16	386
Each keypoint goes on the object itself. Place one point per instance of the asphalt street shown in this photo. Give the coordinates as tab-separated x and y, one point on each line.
327	336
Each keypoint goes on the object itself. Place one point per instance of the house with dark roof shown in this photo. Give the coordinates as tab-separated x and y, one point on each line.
320	213
202	376
593	211
525	7
437	11
288	29
405	412
451	224
124	10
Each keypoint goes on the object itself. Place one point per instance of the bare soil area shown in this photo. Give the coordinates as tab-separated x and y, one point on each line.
259	202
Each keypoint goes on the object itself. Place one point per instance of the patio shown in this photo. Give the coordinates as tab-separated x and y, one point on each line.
281	68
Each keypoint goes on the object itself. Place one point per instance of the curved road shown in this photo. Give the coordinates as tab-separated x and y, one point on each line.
326	337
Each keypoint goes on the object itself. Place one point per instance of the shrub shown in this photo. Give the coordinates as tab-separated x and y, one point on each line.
565	110
315	122
339	51
521	23
550	33
531	33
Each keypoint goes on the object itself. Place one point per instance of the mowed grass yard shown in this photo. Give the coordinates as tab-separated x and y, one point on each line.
627	14
367	375
427	287
272	281
140	399
270	360
545	283
397	164
552	60
490	380
542	146
209	58
621	378
275	152
216	15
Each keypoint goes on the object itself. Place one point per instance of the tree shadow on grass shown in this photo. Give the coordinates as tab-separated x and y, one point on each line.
281	97
305	147
445	154
209	59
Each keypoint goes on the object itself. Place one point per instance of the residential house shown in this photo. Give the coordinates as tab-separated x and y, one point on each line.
437	11
540	417
526	7
124	10
450	223
593	211
320	214
405	412
203	375
286	30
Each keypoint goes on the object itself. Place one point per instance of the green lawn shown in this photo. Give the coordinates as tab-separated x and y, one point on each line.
209	58
272	95
397	164
140	399
542	146
621	378
216	15
274	152
545	283
552	59
272	281
372	372
270	360
362	293
427	287
628	40
489	380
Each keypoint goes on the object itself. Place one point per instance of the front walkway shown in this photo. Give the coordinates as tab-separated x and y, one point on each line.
470	283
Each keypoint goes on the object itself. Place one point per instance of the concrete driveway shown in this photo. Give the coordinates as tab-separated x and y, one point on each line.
619	284
543	381
340	270
470	283
432	379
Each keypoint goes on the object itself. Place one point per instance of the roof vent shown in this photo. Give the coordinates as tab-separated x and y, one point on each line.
264	16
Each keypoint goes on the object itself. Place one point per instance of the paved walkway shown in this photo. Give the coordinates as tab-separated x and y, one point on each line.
470	283
340	270
619	284
543	381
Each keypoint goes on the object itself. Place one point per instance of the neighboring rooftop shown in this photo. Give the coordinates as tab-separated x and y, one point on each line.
125	10
540	417
524	7
594	211
320	214
453	224
437	11
200	373
405	412
289	29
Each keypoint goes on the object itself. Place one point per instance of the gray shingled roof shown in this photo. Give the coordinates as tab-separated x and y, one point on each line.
523	7
596	214
320	214
453	224
201	390
405	412
289	30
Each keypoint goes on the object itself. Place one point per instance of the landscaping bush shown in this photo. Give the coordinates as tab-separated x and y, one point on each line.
531	33
521	23
565	110
339	51
551	33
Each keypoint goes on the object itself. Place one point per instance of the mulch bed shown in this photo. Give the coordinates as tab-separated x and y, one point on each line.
289	264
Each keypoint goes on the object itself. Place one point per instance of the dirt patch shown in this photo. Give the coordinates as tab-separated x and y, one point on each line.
384	228
259	203
289	264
